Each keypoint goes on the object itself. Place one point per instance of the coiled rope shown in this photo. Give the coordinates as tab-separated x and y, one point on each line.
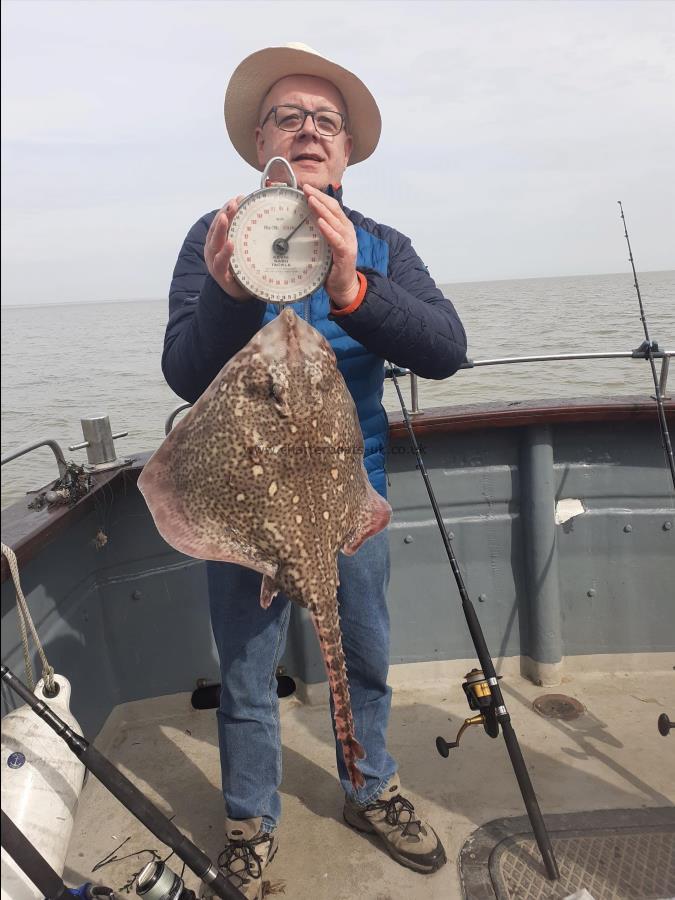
26	624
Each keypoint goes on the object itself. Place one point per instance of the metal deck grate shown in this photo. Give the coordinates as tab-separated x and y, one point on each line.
622	866
613	854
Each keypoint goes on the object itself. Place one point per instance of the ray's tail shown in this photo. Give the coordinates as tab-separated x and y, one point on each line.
330	639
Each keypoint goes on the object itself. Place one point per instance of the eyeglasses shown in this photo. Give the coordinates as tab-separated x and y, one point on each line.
292	118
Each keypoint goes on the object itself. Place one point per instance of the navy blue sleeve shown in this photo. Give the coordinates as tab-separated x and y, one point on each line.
404	317
206	326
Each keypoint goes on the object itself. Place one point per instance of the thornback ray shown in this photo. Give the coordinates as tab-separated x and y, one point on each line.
266	470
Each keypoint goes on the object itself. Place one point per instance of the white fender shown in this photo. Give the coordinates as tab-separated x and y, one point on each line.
41	783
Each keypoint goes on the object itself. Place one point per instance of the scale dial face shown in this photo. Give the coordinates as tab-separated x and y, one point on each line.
279	253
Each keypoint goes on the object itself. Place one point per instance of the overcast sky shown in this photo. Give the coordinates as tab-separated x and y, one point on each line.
510	131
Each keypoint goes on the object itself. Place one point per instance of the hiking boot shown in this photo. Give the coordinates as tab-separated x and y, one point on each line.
407	838
247	852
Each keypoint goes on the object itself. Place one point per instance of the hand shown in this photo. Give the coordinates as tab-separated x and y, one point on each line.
342	284
218	251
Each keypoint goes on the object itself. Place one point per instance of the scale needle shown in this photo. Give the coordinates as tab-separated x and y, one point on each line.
280	246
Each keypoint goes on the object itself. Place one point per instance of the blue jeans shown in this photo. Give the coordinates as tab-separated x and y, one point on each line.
251	641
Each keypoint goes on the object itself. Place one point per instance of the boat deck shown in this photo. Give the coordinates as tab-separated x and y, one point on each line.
610	757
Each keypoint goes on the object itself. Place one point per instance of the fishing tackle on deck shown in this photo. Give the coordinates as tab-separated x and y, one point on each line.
42	876
482	685
41	785
158	882
34	868
127	793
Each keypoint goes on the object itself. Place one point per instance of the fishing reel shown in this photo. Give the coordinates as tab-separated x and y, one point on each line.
665	725
479	697
158	882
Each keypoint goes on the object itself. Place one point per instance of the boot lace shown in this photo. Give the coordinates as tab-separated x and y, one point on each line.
400	813
244	851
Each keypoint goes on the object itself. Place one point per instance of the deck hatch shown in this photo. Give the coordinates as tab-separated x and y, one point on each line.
613	854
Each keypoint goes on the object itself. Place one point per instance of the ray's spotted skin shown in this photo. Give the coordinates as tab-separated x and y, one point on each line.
266	470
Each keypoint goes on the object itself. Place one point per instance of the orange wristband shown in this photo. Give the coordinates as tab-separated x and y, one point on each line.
356	302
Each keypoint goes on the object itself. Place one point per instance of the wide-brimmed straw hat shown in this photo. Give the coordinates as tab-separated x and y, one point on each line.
253	78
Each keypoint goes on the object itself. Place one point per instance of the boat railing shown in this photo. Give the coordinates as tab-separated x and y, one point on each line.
47	442
639	353
99	439
98	442
168	425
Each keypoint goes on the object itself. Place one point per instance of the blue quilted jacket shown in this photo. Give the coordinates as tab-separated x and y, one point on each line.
403	318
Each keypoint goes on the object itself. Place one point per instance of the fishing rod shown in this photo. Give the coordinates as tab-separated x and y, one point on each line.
650	347
664	723
46	879
482	686
155	882
32	862
129	795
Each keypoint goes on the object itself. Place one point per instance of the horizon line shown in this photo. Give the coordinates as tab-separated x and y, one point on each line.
33	305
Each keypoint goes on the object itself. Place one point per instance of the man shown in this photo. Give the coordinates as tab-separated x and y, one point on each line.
378	302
